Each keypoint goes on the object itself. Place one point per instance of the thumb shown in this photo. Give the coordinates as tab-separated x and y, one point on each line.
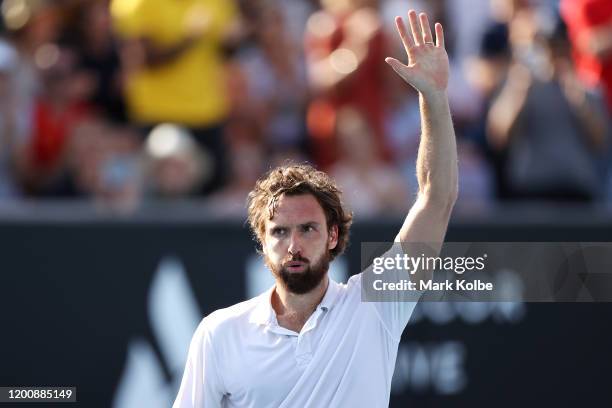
395	64
402	70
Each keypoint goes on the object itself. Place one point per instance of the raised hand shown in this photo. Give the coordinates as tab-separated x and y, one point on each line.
428	69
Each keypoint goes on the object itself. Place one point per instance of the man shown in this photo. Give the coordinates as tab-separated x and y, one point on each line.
308	341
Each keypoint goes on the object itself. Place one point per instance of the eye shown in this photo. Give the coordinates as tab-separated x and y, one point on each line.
308	228
278	231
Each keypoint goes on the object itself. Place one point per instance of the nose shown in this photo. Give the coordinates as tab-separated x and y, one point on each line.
295	246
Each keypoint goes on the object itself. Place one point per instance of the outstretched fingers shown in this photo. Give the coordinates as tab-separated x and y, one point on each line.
414	27
425	29
404	35
439	35
420	31
427	68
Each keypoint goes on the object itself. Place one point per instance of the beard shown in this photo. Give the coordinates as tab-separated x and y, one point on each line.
300	283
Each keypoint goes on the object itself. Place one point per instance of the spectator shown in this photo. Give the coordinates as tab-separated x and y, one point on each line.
173	62
549	127
60	108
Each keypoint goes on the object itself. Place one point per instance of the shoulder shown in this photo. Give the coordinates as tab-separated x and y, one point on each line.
354	283
349	294
228	319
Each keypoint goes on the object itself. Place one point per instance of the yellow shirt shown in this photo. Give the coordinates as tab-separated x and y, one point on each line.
189	90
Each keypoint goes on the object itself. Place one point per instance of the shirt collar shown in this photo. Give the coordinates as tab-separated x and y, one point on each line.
263	313
329	299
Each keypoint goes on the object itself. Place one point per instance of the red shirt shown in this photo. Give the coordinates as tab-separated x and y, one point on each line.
581	18
51	131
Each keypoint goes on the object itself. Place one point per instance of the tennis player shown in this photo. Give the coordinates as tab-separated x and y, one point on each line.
308	341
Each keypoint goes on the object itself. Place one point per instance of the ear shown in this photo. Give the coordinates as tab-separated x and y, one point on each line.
332	240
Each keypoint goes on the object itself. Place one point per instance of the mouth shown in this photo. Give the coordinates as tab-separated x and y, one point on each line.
296	266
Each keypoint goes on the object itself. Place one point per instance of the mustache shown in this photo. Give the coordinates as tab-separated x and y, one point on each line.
297	258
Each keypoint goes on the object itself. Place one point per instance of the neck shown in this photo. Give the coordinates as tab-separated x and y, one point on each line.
292	310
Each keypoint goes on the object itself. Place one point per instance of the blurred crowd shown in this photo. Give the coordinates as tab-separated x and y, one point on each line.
127	101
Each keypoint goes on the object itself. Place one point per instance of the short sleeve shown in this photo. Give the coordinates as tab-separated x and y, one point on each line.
396	312
201	385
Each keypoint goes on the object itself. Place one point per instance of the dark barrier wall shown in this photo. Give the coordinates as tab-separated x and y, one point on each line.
74	295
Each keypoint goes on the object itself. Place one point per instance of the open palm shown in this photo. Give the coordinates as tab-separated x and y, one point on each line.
428	69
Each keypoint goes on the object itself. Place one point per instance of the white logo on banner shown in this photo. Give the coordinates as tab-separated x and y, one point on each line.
432	366
174	315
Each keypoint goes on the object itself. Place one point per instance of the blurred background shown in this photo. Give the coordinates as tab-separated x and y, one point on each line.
131	132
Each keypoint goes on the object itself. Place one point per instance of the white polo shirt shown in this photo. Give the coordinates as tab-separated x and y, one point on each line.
344	355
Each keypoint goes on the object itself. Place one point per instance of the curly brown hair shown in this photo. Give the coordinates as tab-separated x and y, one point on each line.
297	179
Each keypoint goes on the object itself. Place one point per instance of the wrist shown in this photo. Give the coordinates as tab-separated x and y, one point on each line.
434	94
435	98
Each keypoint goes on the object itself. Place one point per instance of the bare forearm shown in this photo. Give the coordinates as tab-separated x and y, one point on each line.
427	220
437	157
